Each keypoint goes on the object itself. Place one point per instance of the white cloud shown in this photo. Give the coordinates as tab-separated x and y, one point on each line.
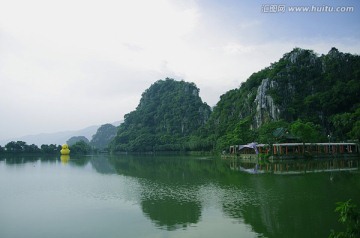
66	64
70	63
236	48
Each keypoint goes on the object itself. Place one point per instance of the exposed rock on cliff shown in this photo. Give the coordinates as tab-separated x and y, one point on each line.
301	85
266	110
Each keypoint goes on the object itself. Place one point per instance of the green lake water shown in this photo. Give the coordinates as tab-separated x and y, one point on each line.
165	196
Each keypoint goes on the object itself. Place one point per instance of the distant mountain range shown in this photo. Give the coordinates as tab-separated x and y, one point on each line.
57	138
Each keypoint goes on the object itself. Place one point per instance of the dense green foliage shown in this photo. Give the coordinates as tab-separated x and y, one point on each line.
306	131
349	215
80	147
103	136
347	125
20	147
169	112
314	96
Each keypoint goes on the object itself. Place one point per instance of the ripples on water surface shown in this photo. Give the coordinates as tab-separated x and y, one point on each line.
173	196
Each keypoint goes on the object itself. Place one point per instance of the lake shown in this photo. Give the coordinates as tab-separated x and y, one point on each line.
165	196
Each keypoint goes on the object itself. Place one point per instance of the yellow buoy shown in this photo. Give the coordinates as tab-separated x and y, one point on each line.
65	149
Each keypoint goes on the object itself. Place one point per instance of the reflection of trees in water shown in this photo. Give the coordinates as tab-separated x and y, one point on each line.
170	205
21	159
242	192
170	213
17	160
102	165
293	206
168	187
172	192
168	169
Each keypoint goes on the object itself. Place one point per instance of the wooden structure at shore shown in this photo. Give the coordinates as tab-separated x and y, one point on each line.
293	151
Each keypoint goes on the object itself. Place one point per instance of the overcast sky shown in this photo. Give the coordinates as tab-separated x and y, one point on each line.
69	64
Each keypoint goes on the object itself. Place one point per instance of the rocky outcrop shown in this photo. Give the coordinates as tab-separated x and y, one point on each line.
266	110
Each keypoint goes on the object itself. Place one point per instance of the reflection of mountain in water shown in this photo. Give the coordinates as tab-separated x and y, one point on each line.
174	191
169	185
290	206
171	213
168	169
166	196
101	164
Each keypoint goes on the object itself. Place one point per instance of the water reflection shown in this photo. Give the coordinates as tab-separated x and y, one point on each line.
286	167
64	159
171	214
79	160
168	187
102	165
75	160
301	201
175	193
18	160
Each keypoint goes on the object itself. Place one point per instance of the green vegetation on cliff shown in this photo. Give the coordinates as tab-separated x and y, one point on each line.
313	97
103	136
169	112
301	90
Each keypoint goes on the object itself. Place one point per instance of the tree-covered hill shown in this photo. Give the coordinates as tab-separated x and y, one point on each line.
168	113
301	90
75	139
103	136
309	97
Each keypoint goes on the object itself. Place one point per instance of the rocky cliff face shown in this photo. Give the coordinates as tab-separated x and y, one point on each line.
301	85
266	109
292	78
